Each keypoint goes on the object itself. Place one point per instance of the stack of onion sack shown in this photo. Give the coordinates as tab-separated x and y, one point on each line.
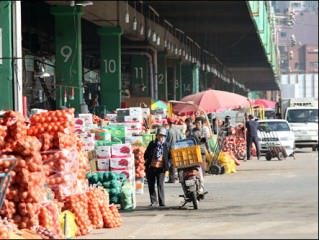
26	189
139	161
49	218
12	128
53	128
96	197
61	170
63	162
4	231
110	214
111	181
78	205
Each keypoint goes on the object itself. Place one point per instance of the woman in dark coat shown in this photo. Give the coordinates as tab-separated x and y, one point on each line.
157	163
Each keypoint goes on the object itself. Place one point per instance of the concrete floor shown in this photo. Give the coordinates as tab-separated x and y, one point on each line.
262	200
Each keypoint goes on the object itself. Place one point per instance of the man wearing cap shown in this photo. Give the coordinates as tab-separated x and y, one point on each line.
174	135
156	163
252	136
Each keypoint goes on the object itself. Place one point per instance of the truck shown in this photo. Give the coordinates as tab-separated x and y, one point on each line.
302	115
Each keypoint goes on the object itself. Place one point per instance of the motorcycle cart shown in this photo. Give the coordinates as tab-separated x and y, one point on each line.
186	157
274	149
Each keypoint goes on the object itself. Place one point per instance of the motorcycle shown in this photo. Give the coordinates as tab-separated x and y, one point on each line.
189	178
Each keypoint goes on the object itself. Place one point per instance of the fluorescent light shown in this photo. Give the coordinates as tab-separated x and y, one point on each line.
135	24
127	18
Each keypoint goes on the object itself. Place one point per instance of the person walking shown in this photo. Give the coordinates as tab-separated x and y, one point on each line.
174	135
157	163
252	136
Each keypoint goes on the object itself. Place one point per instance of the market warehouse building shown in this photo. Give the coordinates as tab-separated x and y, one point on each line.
65	53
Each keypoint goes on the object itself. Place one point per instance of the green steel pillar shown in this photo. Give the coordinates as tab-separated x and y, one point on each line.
140	75
178	81
6	77
110	67
187	80
171	80
68	65
195	78
190	76
203	78
209	81
162	77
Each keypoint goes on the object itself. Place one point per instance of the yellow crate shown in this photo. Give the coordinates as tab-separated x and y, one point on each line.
188	156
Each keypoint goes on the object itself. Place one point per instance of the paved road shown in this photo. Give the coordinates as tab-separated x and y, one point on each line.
262	200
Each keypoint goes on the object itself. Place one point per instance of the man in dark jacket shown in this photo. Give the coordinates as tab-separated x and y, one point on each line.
157	163
252	136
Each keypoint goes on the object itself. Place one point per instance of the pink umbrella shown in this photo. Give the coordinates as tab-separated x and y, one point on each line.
264	102
211	101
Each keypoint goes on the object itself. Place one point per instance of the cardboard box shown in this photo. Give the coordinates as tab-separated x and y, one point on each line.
102	135
128	173
134	140
122	162
103	152
111	117
117	131
103	164
87	118
121	150
135	112
79	124
145	112
139	185
133	119
88	147
123	112
135	132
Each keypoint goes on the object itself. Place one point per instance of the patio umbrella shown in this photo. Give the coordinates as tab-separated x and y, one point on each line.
159	105
263	102
211	101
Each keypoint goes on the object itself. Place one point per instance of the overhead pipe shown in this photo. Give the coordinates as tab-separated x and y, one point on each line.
149	56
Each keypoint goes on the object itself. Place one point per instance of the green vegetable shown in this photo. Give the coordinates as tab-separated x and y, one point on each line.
94	179
115	184
106	185
106	176
100	176
113	191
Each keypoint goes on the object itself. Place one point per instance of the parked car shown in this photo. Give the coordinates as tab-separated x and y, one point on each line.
281	134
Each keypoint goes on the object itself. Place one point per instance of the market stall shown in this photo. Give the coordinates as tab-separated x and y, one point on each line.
68	171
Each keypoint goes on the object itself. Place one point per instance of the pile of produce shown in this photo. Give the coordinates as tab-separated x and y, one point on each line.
235	143
13	127
26	190
236	146
50	175
49	218
78	205
4	231
112	182
139	161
